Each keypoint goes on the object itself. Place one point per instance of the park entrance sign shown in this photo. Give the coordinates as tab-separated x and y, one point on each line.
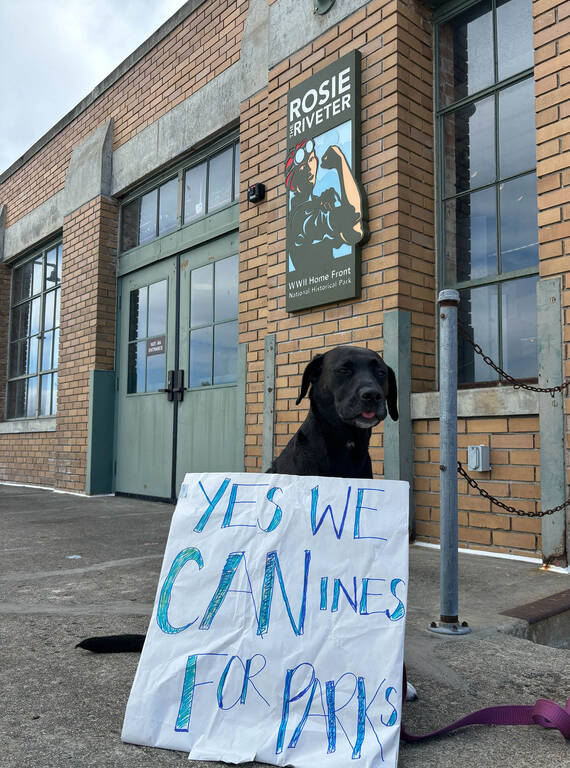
277	631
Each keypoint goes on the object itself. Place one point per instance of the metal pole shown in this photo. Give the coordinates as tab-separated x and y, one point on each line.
449	566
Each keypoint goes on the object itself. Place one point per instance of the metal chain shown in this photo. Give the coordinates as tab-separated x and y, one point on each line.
506	376
506	507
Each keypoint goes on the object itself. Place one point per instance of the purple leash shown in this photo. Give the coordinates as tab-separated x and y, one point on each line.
545	713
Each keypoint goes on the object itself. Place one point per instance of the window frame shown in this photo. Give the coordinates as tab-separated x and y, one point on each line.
445	14
178	172
32	256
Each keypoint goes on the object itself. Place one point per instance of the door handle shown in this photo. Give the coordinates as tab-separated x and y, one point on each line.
178	387
174	385
169	386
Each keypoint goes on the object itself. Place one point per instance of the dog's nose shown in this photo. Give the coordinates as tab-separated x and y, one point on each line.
370	396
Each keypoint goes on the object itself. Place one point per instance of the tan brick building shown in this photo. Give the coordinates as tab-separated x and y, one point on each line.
129	249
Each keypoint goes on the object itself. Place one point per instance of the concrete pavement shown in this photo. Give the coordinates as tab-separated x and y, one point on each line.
73	566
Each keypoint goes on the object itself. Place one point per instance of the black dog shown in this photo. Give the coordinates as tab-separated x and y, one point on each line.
350	389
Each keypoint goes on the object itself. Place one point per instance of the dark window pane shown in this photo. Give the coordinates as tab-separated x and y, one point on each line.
470	146
201	357
59	259
168	207
157	295
22	282
478	313
49	310
155	372
220	180
225	353
136	367
32	399
45	395
466	54
226	289
236	172
514	37
37	282
202	296
195	192
47	347
518	310
519	226
17	391
130	225
517	135
51	278
471	236
20	321
147	226
18	358
138	313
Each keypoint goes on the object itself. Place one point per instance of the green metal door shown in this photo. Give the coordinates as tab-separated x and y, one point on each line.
145	417
208	430
179	406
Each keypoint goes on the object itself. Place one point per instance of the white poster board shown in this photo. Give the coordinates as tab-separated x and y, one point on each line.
277	632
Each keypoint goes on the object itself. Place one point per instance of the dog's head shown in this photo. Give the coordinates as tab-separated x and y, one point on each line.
352	384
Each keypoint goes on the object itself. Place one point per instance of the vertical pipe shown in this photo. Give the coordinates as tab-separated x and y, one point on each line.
448	301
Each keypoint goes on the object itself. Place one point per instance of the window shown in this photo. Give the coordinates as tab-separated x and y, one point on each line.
213	323
189	195
34	336
148	310
487	182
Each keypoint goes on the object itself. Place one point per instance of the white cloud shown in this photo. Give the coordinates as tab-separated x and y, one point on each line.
53	53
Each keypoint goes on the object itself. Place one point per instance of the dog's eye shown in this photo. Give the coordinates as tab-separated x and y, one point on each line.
344	370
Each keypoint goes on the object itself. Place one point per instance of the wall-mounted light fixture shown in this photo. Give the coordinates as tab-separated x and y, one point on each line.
322	6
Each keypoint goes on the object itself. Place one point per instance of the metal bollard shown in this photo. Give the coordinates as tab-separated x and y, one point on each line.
449	567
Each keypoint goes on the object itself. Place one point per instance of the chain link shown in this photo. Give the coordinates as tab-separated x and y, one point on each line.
512	510
506	376
517	385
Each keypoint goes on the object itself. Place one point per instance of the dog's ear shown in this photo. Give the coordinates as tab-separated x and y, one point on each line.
392	398
310	375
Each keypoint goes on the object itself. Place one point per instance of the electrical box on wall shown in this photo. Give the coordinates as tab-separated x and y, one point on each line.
478	458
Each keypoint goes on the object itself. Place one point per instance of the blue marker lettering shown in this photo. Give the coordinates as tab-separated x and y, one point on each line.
229	570
227	523
364	596
328	510
211	503
278	514
272	565
400	610
190	553
188	688
288	699
338	585
359	508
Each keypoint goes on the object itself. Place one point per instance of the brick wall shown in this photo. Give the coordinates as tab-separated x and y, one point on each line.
87	336
552	90
514	478
398	259
203	46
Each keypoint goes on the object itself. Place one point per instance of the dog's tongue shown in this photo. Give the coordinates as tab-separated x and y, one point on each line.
368	414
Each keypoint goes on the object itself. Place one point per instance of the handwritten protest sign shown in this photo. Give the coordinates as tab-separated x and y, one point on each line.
277	631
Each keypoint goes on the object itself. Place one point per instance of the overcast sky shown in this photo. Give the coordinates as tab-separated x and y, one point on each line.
54	52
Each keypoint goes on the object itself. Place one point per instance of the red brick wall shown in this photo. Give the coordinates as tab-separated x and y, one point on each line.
514	478
397	261
552	90
87	336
